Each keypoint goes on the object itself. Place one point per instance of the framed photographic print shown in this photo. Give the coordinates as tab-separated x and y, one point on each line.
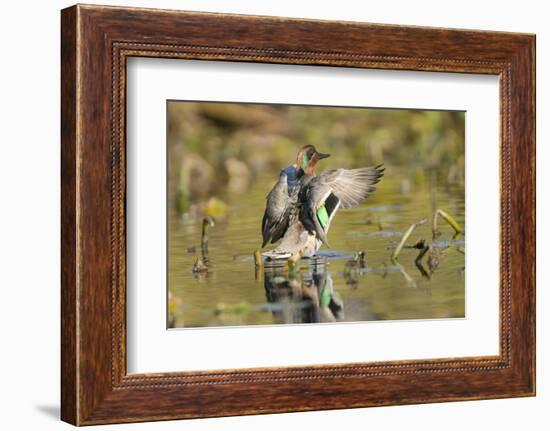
266	215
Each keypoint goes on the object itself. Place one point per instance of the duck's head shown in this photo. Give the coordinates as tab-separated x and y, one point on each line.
307	158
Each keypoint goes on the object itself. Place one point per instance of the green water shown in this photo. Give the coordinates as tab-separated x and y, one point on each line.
334	287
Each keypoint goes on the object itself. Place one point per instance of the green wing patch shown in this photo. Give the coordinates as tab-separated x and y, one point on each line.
322	216
325	297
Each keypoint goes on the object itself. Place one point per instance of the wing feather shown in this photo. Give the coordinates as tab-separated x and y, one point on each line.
340	188
275	219
351	186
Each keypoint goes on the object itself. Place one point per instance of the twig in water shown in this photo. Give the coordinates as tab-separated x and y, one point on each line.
410	281
422	253
200	267
419	245
207	222
259	265
405	237
418	261
258	259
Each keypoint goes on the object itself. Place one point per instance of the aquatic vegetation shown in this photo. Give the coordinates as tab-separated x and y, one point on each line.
434	250
449	219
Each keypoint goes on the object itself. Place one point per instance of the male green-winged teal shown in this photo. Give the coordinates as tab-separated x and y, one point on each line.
275	221
299	211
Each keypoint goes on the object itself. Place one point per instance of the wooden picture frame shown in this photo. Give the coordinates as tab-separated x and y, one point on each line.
96	41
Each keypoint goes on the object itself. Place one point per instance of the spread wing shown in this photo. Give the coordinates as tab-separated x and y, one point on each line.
275	220
334	189
351	186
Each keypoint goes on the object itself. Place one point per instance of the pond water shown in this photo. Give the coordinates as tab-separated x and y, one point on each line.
337	285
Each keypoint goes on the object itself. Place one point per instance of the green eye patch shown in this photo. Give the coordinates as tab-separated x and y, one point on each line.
305	161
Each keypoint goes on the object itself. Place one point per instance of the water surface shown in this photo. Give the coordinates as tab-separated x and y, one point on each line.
335	287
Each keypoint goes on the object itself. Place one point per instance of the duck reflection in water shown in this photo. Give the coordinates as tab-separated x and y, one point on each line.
302	295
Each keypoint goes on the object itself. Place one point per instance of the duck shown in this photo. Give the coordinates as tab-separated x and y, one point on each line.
274	221
301	216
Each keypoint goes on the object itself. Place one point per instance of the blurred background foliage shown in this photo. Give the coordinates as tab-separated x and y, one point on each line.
216	148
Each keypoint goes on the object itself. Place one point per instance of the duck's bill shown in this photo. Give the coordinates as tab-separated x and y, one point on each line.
323	155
